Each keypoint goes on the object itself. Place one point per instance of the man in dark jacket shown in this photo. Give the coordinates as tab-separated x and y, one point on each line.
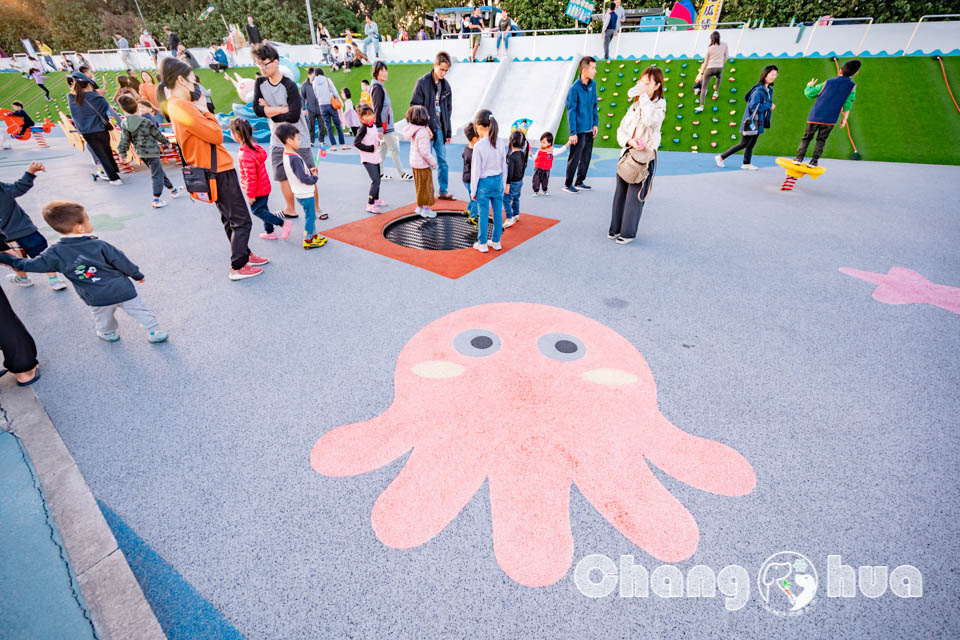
582	118
253	32
312	106
434	93
173	40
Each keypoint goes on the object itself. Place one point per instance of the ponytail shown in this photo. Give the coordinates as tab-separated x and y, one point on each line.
242	129
79	88
485	119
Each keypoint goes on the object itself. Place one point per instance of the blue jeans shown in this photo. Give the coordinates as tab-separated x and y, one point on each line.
332	117
505	37
471	205
309	216
260	209
376	44
439	149
490	196
511	203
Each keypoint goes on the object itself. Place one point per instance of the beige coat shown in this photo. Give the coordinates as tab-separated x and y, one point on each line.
651	114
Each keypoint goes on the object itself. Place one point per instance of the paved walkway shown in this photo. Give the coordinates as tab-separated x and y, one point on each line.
842	406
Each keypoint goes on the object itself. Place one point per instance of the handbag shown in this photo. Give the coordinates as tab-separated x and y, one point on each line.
200	183
105	121
334	100
632	167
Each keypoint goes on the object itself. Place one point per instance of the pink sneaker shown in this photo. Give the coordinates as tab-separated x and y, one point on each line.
245	272
372	208
256	261
285	230
268	236
380	203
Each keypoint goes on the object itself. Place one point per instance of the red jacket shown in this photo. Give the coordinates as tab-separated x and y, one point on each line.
544	159
253	172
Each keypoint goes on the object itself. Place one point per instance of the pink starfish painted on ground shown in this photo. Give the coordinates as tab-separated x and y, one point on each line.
531	398
905	286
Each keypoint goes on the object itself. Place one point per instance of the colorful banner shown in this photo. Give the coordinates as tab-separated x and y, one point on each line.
682	12
581	10
709	14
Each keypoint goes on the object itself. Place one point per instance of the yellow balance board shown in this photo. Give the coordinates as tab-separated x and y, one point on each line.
795	170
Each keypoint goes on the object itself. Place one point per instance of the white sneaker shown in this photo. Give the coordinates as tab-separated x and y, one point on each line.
509	222
57	284
430	212
177	191
715	95
406	177
15	279
749	167
482	248
536	194
159	204
386	176
719	160
116	182
494	245
423	212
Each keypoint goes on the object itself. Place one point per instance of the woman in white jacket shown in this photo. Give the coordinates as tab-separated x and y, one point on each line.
639	129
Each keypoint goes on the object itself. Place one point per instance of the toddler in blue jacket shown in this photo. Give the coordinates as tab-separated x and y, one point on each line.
100	273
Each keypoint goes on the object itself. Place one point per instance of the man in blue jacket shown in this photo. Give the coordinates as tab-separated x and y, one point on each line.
582	118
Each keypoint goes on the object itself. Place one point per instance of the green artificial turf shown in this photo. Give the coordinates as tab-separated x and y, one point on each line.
902	113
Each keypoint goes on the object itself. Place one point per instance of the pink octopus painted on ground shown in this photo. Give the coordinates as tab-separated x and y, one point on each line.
532	398
905	286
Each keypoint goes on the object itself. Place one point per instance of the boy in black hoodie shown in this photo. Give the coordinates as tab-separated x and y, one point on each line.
100	273
516	167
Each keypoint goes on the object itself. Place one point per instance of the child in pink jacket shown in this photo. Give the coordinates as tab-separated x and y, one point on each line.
367	141
421	159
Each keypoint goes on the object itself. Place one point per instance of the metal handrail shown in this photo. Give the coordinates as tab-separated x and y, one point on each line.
922	18
489	32
816	24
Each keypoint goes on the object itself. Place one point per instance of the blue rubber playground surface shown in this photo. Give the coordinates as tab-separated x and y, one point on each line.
592	425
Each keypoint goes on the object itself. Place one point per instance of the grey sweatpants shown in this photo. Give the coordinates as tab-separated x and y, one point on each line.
390	143
107	323
158	177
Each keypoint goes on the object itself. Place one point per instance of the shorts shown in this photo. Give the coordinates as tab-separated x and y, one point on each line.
33	244
474	39
276	161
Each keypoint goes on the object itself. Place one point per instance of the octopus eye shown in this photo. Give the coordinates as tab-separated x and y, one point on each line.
560	346
477	343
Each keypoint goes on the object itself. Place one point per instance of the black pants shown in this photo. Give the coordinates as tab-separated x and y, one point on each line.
235	217
541	180
216	66
578	160
627	207
44	90
19	349
747	143
373	170
315	120
822	131
100	145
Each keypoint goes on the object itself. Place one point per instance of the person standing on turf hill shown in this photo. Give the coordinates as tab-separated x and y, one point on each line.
582	119
434	94
253	32
835	96
277	98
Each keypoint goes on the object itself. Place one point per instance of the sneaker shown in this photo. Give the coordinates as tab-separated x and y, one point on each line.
445	196
715	95
17	280
812	163
256	261
285	229
407	177
372	208
109	337
268	236
719	160
177	191
749	167
314	242
116	182
544	194
157	336
482	248
583	187
698	110
622	240
56	283
798	161
536	194
613	236
423	212
571	189
509	222
158	204
380	203
245	272
386	176
494	245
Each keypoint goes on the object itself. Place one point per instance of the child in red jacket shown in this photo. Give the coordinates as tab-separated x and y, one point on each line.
543	163
255	181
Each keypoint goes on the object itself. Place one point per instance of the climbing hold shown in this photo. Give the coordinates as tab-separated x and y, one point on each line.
620	75
680	95
733	89
696	122
606	137
677	127
683	75
730	78
602	89
683	66
609	115
676	140
731	101
716	108
621	66
603	79
666	69
733	124
695	135
680	85
613	105
680	106
634	78
618	84
636	70
608	125
715	119
694	148
679	116
733	112
666	79
713	132
615	94
732	69
713	144
733	136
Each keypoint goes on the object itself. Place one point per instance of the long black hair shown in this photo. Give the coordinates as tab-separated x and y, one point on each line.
485	118
766	70
241	128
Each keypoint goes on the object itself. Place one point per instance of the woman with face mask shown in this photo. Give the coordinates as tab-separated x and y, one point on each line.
201	139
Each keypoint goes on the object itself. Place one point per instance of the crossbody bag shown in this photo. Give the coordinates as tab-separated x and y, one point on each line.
200	183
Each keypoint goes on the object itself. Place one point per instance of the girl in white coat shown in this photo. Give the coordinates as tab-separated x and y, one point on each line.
639	129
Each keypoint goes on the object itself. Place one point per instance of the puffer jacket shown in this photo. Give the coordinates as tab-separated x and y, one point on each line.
759	103
420	156
254	179
650	114
145	136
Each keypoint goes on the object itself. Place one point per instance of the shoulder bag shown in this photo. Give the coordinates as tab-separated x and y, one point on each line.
200	183
632	167
334	100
